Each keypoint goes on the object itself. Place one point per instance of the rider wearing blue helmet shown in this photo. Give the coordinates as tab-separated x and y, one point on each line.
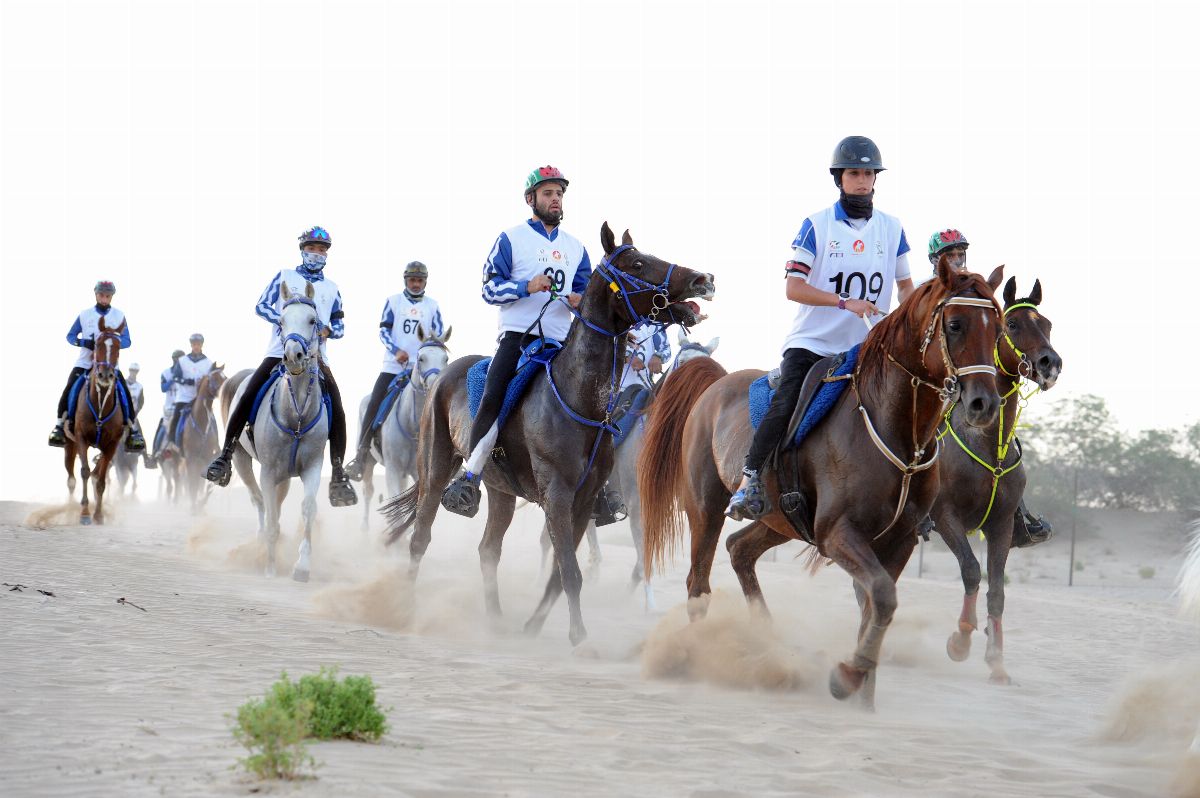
314	246
83	334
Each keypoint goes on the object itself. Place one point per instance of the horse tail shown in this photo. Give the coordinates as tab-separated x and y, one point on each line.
1189	574
660	465
400	512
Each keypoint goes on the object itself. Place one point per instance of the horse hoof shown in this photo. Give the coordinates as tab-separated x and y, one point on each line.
85	520
1000	678
578	637
958	646
844	681
300	576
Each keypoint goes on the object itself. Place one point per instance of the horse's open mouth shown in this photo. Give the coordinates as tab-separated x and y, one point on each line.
686	313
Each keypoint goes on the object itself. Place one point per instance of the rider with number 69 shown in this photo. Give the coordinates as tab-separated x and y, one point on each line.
844	261
314	244
526	262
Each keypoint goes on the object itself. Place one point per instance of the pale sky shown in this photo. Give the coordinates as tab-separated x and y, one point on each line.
178	148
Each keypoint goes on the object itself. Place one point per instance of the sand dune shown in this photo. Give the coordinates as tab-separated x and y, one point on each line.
100	698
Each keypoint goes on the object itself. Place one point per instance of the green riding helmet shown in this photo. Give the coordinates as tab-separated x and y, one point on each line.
416	269
947	239
544	174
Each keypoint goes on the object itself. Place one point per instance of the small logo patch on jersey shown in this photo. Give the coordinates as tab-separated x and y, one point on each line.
556	255
879	248
859	246
414	313
834	245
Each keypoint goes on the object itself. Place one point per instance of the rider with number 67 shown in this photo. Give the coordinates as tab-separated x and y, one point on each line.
525	263
844	261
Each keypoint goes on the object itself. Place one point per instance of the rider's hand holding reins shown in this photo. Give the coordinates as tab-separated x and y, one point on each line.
538	284
401	356
861	307
325	333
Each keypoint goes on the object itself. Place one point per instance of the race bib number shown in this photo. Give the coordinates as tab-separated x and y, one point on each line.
558	279
858	285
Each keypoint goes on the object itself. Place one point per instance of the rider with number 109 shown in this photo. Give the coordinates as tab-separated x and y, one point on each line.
314	246
528	265
844	261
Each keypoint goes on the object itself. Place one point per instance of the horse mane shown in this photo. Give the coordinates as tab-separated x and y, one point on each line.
910	319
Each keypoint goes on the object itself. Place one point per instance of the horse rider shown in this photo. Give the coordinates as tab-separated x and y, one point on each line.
403	315
314	248
136	389
186	373
527	261
1028	529
169	387
954	244
844	261
83	335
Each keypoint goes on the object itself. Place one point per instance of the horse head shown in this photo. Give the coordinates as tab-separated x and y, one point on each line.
432	356
638	286
300	329
210	385
105	351
689	350
1025	349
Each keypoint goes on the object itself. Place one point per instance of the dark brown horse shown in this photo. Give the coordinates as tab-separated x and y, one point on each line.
553	459
199	436
983	476
866	475
99	421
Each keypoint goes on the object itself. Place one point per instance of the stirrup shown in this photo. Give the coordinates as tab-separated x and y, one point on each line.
462	495
58	437
134	442
1029	530
220	470
355	468
609	507
749	503
341	492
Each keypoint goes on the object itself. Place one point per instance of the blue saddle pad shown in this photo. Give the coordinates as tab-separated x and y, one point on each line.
535	355
632	416
395	388
77	389
760	396
180	418
276	373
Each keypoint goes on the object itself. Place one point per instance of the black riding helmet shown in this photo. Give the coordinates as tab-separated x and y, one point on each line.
854	152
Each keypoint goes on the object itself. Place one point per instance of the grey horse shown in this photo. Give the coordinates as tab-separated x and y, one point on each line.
396	445
290	431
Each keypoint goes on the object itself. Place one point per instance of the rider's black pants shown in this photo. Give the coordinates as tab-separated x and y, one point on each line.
796	365
66	394
503	365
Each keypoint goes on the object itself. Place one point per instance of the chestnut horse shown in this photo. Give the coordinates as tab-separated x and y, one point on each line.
862	479
983	476
200	442
557	442
99	421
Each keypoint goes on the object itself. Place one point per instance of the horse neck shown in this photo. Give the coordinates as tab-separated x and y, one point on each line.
584	367
294	396
408	415
889	401
102	398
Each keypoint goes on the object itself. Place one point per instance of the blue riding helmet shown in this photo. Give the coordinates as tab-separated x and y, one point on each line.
315	235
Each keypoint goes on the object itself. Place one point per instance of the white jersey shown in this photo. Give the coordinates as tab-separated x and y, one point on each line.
326	296
194	369
399	324
863	258
519	255
167	382
650	340
87	326
135	394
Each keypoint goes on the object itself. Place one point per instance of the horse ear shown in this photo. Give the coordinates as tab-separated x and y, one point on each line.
1035	296
446	335
945	273
421	336
285	293
995	277
681	336
626	238
607	240
1010	291
218	366
712	345
309	291
101	326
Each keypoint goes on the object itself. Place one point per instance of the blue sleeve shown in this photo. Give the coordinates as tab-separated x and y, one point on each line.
582	274
806	239
337	317
904	247
438	327
164	381
661	344
126	341
74	333
385	327
266	303
499	288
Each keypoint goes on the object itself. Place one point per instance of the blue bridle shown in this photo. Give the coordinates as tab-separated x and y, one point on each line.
297	337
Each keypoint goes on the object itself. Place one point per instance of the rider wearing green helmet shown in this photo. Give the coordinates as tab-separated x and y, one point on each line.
954	244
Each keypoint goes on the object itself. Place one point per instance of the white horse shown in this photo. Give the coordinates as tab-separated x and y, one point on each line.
290	431
396	445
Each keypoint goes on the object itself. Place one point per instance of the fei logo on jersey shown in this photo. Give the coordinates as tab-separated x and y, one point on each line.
556	255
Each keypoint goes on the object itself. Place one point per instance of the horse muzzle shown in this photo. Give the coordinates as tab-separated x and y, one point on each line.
1046	370
979	400
687	312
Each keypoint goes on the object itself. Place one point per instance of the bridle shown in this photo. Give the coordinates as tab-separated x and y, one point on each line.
306	344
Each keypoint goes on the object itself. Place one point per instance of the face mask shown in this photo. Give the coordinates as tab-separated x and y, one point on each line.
314	261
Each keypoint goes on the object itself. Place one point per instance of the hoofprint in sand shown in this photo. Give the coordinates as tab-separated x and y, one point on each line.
102	698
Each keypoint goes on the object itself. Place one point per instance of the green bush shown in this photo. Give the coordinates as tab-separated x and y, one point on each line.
320	706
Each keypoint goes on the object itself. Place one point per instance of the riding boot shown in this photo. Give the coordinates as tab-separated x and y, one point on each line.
925	527
1029	530
610	506
462	495
361	462
750	502
220	470
134	442
341	492
58	436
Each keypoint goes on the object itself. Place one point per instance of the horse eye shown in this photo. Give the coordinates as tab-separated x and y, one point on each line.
954	325
1012	324
638	266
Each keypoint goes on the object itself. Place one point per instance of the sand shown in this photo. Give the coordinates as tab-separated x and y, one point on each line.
101	698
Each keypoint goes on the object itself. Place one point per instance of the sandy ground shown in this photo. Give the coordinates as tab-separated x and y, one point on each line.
100	698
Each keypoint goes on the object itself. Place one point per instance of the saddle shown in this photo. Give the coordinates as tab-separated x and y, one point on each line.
394	389
536	355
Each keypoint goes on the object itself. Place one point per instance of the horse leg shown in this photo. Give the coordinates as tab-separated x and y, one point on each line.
85	472
271	504
547	548
567	524
999	540
101	474
69	462
745	547
853	553
958	646
594	556
311	478
639	567
705	512
244	466
368	481
501	507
